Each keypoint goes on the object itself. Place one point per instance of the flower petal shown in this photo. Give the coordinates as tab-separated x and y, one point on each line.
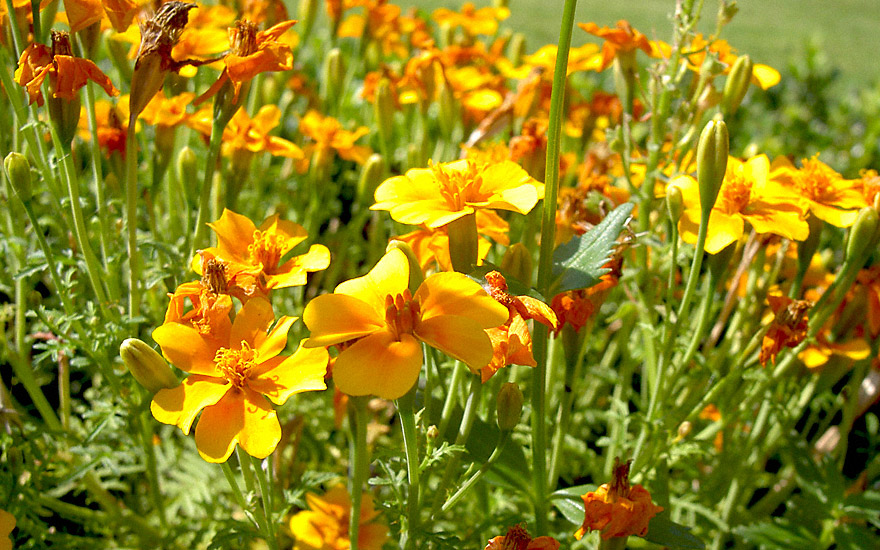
181	405
335	318
389	276
293	272
242	417
270	345
186	348
234	233
251	323
379	365
455	294
460	337
281	377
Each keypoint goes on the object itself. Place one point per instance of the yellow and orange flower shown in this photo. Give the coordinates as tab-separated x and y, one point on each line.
517	538
474	21
443	193
622	40
789	326
232	373
764	76
327	135
324	526
382	326
618	509
66	73
244	135
828	196
747	195
210	298
255	253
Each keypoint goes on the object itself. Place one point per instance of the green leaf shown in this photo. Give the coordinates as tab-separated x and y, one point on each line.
578	263
569	502
781	534
662	530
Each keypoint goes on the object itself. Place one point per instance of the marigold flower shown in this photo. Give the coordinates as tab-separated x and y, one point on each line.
382	325
764	76
747	195
828	196
381	22
244	134
324	526
618	509
517	538
512	341
576	307
252	52
443	193
788	329
210	298
255	253
7	524
622	39
66	73
474	21
232	372
327	135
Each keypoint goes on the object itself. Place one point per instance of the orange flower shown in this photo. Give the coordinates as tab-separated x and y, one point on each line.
828	196
255	254
788	329
443	193
167	112
575	307
232	372
622	39
324	526
517	538
112	127
210	298
474	21
67	74
762	75
252	52
244	135
382	325
512	342
618	509
327	135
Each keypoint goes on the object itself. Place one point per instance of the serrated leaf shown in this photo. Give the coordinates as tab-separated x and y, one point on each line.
662	530
578	263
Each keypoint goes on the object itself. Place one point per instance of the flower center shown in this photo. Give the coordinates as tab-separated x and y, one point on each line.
401	313
214	276
266	250
815	180
244	42
235	363
735	193
459	187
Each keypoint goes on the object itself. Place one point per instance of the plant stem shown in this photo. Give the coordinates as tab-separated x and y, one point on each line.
464	432
360	462
408	426
204	213
266	497
131	192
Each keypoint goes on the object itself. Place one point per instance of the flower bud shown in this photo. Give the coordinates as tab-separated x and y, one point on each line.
383	110
516	49
737	84
509	406
447	104
433	432
371	176
862	235
517	262
146	365
712	151
187	169
416	276
332	77
18	170
684	430
307	12
674	202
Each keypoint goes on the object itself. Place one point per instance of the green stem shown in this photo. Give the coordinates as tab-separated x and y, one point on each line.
360	461
449	404
246	473
545	266
152	468
204	212
233	484
408	427
131	193
496	453
464	432
267	508
614	543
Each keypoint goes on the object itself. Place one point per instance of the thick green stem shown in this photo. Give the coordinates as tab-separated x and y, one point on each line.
464	432
408	427
267	508
360	461
201	228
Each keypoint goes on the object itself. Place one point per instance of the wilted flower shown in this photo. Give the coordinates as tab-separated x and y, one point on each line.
789	326
517	538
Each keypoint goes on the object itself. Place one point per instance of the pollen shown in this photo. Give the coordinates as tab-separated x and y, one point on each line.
735	193
459	187
234	364
401	313
214	278
266	250
816	180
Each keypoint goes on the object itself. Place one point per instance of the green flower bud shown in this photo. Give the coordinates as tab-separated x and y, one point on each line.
146	365
307	12
187	169
509	406
737	84
516	49
712	151
517	262
383	110
332	77
416	275
371	176
674	202
448	112
862	235
18	170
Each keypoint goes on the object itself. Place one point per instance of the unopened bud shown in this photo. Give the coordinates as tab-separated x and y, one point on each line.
371	176
187	168
517	262
383	110
146	365
712	151
416	276
18	170
737	84
862	235
307	12
509	407
433	432
332	76
516	49
447	104
684	429
674	202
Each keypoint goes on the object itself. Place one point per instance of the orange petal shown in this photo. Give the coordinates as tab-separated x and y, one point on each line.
379	365
251	323
234	233
186	348
181	405
242	417
335	318
460	337
454	294
270	345
390	276
294	271
281	377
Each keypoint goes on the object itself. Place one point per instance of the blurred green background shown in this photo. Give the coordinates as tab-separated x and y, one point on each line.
771	31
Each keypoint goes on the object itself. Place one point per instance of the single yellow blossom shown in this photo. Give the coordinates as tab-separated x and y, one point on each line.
828	196
324	526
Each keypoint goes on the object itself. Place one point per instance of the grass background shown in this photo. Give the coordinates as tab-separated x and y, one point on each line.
771	31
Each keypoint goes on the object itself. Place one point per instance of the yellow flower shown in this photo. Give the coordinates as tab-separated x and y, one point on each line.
232	372
7	524
762	75
387	324
324	526
622	39
254	252
443	193
618	509
829	197
474	21
245	134
327	135
747	195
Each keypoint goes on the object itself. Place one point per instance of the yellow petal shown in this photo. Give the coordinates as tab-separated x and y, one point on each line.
187	349
234	233
455	294
291	233
379	365
242	417
282	377
251	322
723	229
335	318
765	76
180	406
294	271
270	345
390	276
460	337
